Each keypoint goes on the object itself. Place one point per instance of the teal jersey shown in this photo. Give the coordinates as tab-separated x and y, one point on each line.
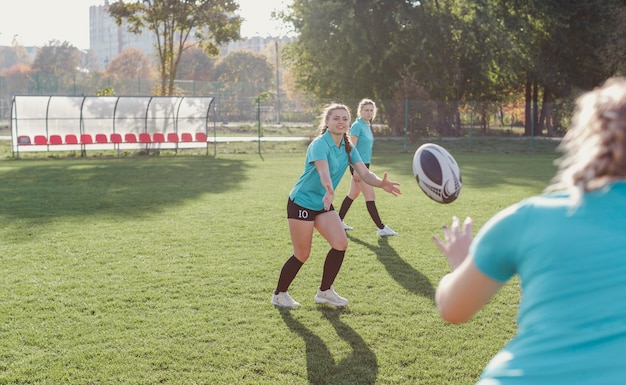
571	262
308	191
365	144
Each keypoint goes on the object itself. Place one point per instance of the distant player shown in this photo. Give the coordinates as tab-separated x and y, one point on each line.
310	205
362	137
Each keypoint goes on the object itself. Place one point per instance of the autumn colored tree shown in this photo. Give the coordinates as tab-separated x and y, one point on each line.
10	56
243	73
196	65
131	63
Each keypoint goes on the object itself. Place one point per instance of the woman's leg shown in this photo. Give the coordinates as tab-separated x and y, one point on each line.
301	239
329	226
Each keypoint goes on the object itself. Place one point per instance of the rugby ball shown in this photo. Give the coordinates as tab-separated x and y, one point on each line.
437	173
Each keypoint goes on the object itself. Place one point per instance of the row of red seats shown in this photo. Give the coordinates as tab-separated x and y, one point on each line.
114	138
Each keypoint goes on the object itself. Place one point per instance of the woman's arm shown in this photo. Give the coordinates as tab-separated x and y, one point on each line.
324	173
463	292
373	180
466	289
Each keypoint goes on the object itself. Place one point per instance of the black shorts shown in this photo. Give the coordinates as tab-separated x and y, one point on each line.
295	211
352	170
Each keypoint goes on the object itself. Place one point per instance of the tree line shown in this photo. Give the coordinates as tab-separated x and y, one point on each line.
425	61
452	52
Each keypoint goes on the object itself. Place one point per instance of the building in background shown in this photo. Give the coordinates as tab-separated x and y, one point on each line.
107	39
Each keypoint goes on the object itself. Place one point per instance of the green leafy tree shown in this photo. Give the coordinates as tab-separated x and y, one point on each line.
455	52
349	49
57	58
55	67
560	47
180	25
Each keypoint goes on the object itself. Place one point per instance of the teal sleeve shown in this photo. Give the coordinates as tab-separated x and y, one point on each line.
495	247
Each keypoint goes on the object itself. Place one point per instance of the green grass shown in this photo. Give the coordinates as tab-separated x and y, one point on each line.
159	269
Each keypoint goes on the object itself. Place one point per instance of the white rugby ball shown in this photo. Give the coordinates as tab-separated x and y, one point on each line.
437	173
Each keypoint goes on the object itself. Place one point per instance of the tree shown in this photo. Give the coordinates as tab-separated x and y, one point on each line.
10	56
180	25
242	73
57	58
195	64
55	67
561	46
17	78
457	51
350	49
131	63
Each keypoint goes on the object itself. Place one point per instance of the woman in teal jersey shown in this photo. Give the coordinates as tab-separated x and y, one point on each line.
568	247
362	137
310	205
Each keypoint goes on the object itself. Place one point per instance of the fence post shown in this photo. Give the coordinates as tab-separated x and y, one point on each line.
406	123
532	127
258	119
471	123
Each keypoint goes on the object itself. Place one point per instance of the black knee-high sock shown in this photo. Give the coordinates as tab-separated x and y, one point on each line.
333	262
371	208
287	274
345	206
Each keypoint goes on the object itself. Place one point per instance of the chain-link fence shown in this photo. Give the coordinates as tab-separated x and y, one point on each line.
237	104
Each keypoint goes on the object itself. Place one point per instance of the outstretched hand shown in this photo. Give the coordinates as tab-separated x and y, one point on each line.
456	243
329	197
390	186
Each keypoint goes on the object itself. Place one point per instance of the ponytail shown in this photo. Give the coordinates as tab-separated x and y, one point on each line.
348	144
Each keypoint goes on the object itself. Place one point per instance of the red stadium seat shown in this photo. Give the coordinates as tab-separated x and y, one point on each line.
130	138
186	137
71	139
158	137
116	138
41	139
86	139
144	137
56	139
201	137
101	138
172	137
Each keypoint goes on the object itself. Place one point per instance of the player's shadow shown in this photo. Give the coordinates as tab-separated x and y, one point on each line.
360	367
402	272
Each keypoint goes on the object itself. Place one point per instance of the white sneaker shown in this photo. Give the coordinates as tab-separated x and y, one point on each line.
329	296
386	232
346	227
283	299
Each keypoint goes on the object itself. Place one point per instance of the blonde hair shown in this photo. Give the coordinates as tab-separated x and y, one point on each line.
594	147
365	102
323	127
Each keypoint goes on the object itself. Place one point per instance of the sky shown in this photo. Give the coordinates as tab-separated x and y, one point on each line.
36	22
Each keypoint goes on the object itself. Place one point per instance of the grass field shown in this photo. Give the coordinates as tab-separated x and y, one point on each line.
159	270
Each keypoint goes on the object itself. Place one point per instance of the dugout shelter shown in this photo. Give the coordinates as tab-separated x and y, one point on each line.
81	123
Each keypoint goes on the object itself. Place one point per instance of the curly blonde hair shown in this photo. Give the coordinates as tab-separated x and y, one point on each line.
594	148
325	115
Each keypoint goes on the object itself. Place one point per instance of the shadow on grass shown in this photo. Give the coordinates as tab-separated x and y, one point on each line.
360	367
42	190
402	272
